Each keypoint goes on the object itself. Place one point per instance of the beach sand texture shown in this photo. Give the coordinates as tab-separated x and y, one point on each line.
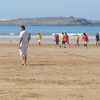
52	73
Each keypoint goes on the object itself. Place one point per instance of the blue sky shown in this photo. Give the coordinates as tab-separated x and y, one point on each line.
12	9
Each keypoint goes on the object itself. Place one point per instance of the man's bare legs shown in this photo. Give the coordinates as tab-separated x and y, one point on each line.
24	60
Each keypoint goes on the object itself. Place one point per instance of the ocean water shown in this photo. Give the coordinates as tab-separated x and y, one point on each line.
48	30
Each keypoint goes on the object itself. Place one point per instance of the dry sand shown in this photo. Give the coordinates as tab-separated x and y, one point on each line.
52	73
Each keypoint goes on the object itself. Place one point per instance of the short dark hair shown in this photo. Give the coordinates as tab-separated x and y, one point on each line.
23	27
84	33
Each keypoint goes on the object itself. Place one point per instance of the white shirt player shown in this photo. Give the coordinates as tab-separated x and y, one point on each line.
24	44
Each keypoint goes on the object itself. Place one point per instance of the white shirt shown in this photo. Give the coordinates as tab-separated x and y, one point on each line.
25	36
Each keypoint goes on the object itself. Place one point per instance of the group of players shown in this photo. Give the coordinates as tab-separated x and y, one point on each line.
65	40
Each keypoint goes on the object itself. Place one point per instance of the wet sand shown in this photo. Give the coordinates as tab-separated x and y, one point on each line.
52	73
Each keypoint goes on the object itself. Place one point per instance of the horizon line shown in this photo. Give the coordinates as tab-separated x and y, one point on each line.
5	19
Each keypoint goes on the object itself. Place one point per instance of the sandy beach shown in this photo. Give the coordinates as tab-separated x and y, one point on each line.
52	73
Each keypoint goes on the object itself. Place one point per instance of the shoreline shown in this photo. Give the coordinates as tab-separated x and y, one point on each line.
45	39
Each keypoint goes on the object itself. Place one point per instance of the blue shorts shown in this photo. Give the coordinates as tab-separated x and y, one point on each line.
63	42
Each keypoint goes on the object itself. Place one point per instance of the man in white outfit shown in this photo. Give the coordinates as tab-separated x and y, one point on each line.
23	44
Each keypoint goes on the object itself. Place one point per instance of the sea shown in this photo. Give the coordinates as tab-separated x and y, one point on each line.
13	31
48	30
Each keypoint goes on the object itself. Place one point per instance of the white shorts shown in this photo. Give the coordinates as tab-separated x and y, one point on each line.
39	40
84	42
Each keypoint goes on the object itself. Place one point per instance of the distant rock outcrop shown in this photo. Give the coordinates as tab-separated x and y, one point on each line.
68	21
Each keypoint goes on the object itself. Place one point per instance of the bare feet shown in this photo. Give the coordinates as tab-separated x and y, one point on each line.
24	64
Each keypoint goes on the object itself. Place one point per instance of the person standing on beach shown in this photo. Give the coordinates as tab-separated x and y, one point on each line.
57	40
62	39
39	37
66	39
23	44
85	39
77	40
97	39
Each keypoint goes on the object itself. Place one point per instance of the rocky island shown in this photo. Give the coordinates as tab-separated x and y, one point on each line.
67	21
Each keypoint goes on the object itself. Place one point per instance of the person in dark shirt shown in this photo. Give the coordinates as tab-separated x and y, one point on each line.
97	39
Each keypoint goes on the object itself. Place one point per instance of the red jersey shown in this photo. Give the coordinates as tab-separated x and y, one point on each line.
85	38
66	38
56	37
